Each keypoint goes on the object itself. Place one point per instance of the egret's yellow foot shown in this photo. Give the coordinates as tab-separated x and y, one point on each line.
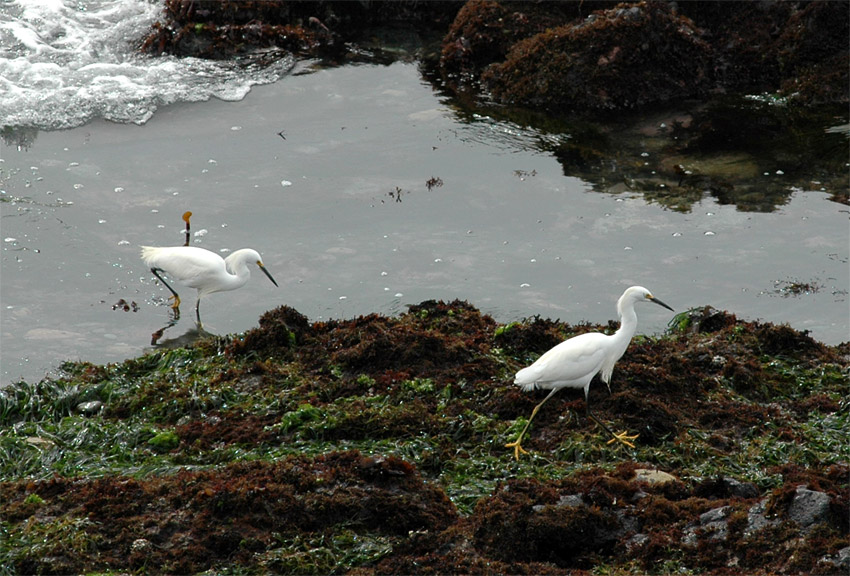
176	299
517	449
623	438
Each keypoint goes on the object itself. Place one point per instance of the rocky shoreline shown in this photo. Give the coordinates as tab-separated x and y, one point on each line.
376	446
591	56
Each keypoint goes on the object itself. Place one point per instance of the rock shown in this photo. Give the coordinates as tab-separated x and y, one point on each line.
638	496
523	525
40	442
570	500
808	507
740	489
141	545
629	523
726	487
715	515
626	57
689	537
89	408
712	523
637	541
756	519
841	560
653	476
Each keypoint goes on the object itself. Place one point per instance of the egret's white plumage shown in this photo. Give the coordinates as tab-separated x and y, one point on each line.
573	363
201	269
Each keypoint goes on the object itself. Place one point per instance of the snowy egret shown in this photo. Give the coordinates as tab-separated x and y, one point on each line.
573	363
199	268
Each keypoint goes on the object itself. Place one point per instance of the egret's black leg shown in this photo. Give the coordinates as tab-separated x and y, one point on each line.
198	309
518	449
176	304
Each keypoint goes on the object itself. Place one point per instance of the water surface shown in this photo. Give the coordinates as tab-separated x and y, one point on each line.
327	175
367	189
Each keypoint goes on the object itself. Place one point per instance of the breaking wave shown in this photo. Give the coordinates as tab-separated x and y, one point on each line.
64	63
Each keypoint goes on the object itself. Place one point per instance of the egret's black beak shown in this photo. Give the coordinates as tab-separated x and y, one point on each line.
650	298
266	272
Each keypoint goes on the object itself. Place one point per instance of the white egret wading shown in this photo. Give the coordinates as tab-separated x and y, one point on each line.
573	363
199	268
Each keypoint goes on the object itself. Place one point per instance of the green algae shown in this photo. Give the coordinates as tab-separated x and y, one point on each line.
332	553
53	540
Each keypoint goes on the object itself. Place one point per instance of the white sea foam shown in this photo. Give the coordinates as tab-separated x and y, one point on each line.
64	63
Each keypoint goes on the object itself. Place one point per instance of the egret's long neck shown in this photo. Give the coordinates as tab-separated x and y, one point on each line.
628	326
238	273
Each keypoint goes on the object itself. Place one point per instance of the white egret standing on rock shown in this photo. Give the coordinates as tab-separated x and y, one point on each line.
199	268
574	362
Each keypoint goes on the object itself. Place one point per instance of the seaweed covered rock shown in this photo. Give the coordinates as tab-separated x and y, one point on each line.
815	55
528	521
600	56
279	331
432	339
800	50
484	30
376	445
594	55
223	29
626	57
194	520
213	29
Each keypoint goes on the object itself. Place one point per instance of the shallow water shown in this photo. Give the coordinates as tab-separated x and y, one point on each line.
326	174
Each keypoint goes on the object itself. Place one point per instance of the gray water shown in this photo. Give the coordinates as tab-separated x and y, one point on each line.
327	175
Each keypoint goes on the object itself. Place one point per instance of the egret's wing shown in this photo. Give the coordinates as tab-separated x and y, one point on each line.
574	361
189	265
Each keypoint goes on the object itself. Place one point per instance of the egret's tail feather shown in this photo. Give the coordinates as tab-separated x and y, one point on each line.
525	385
527	379
147	253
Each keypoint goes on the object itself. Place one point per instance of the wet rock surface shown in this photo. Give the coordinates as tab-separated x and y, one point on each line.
375	445
214	29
